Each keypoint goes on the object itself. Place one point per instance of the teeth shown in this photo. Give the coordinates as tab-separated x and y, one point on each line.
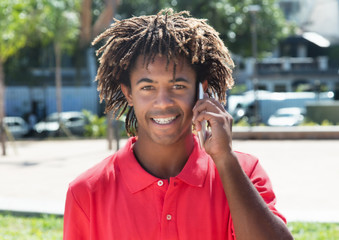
164	120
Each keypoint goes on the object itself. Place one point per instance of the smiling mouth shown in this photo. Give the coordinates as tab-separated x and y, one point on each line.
164	121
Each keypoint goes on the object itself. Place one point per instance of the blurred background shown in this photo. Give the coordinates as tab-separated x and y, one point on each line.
286	97
286	55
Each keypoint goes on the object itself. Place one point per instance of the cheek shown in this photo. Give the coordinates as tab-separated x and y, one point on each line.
188	103
141	104
137	98
193	98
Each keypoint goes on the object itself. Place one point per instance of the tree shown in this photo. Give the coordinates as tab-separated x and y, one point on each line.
16	22
229	17
64	23
96	15
59	25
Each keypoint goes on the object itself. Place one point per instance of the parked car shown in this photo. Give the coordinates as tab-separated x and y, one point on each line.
287	117
73	121
17	126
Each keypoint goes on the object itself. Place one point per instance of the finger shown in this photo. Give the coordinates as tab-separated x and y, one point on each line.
197	126
214	119
206	99
211	117
207	106
198	119
217	104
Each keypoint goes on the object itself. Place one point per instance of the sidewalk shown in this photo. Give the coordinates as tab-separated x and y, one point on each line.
34	175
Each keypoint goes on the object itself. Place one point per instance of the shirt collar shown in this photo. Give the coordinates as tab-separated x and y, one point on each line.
195	170
137	179
133	174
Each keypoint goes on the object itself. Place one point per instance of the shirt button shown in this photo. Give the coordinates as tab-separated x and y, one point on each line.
160	183
169	217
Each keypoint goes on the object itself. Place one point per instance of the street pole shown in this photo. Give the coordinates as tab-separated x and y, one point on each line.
253	9
2	109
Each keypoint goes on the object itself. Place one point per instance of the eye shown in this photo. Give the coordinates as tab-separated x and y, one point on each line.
178	86
147	88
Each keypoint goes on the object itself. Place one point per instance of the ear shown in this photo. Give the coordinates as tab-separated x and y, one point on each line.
205	85
127	92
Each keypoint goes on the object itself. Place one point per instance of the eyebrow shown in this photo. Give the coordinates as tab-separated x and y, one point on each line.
180	80
147	80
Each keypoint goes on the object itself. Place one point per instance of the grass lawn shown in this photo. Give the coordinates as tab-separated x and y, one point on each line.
314	231
45	227
49	227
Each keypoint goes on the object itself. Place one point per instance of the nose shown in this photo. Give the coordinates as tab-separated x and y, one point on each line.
164	98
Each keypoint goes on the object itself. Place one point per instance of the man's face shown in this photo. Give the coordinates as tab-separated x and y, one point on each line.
162	105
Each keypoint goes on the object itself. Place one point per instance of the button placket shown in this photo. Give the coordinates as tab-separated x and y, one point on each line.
169	217
160	183
168	222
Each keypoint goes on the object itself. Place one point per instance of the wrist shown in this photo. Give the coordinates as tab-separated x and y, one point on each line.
225	161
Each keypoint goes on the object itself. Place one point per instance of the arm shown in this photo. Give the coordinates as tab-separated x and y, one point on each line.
252	219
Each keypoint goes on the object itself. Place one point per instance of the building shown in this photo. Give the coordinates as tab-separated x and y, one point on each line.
79	91
306	61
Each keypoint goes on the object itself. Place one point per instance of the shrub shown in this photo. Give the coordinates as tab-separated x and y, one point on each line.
96	127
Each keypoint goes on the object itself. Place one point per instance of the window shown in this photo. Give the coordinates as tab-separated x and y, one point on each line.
280	88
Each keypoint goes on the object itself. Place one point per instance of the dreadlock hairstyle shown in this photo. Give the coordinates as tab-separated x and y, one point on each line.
170	34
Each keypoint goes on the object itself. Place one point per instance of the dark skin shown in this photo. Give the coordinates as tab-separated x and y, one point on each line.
162	148
246	205
165	110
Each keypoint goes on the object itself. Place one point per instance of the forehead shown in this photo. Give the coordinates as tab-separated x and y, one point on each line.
160	64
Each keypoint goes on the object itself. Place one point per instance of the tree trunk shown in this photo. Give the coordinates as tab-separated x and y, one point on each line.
103	22
109	130
106	16
2	109
86	23
88	32
58	79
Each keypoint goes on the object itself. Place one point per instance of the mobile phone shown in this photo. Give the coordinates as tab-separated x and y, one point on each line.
202	132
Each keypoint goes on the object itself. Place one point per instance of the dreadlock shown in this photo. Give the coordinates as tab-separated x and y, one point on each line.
169	34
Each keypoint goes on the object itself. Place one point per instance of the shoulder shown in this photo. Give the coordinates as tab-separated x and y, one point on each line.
104	172
83	189
99	173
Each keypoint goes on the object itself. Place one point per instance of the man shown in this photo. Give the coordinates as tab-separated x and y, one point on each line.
162	184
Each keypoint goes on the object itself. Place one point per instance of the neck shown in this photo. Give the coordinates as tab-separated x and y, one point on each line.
167	160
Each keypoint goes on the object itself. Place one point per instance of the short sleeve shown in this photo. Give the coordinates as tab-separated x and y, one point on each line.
76	222
263	184
260	180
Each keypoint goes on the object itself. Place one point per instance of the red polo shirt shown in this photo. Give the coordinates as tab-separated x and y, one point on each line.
118	199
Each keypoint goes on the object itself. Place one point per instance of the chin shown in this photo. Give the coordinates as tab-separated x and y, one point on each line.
165	140
171	139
